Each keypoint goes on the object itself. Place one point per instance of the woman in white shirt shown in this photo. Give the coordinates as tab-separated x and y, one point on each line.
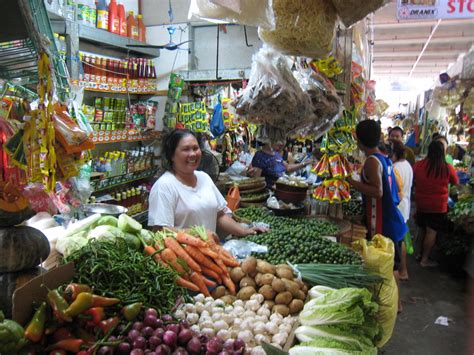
404	171
183	197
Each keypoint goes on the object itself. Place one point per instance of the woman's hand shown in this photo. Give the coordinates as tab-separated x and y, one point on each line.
256	230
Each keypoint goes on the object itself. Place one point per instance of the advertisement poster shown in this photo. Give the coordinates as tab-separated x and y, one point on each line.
434	9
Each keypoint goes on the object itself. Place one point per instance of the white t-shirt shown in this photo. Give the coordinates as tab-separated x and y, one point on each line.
174	204
406	173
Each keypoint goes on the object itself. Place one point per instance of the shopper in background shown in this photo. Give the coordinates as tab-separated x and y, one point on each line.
432	177
268	163
404	173
436	137
184	197
379	190
396	133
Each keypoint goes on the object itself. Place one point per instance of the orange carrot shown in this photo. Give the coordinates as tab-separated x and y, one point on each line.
232	262
209	253
229	284
186	284
180	252
199	282
170	257
185	238
221	264
208	282
203	260
211	273
149	251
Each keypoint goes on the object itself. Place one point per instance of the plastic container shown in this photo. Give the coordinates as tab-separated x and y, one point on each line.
141	29
113	18
132	26
122	20
102	15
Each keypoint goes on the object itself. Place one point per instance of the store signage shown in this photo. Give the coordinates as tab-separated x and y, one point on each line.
434	9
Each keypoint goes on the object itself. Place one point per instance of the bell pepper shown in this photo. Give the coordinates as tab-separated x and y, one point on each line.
99	301
97	314
59	305
35	329
61	334
108	325
12	336
131	311
82	302
73	290
73	345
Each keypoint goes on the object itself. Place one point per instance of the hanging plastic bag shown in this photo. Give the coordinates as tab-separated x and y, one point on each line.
244	12
378	256
352	11
233	198
217	122
242	249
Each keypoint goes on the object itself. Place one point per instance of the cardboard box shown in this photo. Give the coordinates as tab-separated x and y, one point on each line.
36	290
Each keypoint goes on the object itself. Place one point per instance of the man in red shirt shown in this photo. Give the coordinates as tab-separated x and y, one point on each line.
432	176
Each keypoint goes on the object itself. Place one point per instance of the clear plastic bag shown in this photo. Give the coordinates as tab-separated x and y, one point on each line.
242	249
302	27
250	12
352	11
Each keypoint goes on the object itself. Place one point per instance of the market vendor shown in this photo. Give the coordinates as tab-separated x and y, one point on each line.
184	197
269	163
396	134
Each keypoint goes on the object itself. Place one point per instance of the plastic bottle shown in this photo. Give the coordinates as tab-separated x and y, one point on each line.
102	15
56	40
62	47
132	27
122	20
141	29
113	17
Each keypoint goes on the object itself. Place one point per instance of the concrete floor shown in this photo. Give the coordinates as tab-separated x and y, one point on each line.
430	293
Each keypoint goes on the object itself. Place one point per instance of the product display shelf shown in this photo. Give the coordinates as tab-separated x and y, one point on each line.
112	182
129	91
103	137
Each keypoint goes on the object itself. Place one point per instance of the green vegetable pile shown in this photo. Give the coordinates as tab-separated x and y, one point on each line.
298	240
12	336
463	211
116	270
353	208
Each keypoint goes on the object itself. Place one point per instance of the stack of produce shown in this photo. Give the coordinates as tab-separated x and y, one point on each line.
298	240
338	321
250	322
283	293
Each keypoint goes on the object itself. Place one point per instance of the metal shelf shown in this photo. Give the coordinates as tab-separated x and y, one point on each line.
122	180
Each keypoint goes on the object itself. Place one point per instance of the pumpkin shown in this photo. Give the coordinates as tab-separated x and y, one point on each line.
22	248
10	282
14	207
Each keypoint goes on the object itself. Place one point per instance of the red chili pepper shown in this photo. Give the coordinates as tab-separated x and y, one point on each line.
57	352
73	345
97	313
99	301
80	304
73	290
85	352
109	324
61	334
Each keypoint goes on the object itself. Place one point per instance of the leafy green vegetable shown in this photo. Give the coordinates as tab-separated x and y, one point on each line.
68	245
132	241
329	346
106	232
128	224
107	220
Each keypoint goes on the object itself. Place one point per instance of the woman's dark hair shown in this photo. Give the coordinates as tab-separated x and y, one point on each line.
368	133
396	128
437	166
398	149
438	137
170	143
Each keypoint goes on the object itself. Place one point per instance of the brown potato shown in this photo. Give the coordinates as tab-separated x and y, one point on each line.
267	292
269	303
219	292
236	274
278	285
284	273
284	266
282	309
253	274
247	281
257	278
295	306
245	293
305	288
229	299
249	265
266	279
291	286
300	295
283	298
265	267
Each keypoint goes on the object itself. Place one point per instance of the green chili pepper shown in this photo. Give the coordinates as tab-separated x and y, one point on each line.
59	305
74	289
11	336
82	302
35	329
131	311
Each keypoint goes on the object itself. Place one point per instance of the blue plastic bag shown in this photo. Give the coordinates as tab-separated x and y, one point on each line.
217	122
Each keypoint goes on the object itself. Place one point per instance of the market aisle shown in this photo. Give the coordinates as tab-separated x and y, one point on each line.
430	293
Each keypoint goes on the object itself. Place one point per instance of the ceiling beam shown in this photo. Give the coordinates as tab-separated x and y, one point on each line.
418	24
408	65
415	53
411	60
403	41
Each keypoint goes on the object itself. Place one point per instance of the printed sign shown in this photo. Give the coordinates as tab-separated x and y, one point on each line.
434	9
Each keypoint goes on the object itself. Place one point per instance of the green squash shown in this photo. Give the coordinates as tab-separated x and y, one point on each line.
22	248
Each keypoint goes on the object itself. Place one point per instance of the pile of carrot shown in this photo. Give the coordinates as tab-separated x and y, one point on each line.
196	257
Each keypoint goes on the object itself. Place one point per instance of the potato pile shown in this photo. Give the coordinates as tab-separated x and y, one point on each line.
282	292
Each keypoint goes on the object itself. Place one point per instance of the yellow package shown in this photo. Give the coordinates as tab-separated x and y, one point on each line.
378	256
